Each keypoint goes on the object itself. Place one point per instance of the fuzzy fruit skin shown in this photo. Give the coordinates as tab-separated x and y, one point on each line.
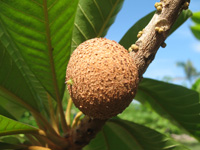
104	76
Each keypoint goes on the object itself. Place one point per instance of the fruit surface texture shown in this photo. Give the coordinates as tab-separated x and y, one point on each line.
104	78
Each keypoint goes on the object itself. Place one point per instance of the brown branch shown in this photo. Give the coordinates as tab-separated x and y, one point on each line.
155	33
143	53
84	132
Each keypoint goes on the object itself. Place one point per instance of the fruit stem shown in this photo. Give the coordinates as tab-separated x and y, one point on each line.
68	112
52	114
76	119
69	82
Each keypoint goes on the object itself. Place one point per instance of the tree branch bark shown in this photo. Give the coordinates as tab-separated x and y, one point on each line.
153	36
84	132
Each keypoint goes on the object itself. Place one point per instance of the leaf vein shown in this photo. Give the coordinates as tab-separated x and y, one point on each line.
23	12
60	14
111	2
37	3
125	129
74	45
6	126
76	25
16	22
107	19
60	28
33	48
92	25
61	50
27	37
52	5
99	9
163	108
105	139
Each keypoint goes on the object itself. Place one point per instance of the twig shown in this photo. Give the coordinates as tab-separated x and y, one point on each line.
155	33
68	112
76	119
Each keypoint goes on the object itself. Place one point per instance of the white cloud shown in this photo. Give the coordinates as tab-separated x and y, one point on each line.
196	47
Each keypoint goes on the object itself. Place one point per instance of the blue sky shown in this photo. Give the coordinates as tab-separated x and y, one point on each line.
181	45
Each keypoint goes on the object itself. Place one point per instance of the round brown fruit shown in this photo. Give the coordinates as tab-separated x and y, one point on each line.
104	77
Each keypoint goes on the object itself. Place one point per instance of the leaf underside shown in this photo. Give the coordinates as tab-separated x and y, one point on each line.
93	19
121	134
12	85
40	31
177	103
4	112
9	126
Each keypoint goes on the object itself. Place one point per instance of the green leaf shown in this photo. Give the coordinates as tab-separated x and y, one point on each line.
125	135
9	106
93	19
12	81
196	28
9	126
177	103
131	35
19	89
196	17
40	31
4	112
12	139
196	85
181	19
144	115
